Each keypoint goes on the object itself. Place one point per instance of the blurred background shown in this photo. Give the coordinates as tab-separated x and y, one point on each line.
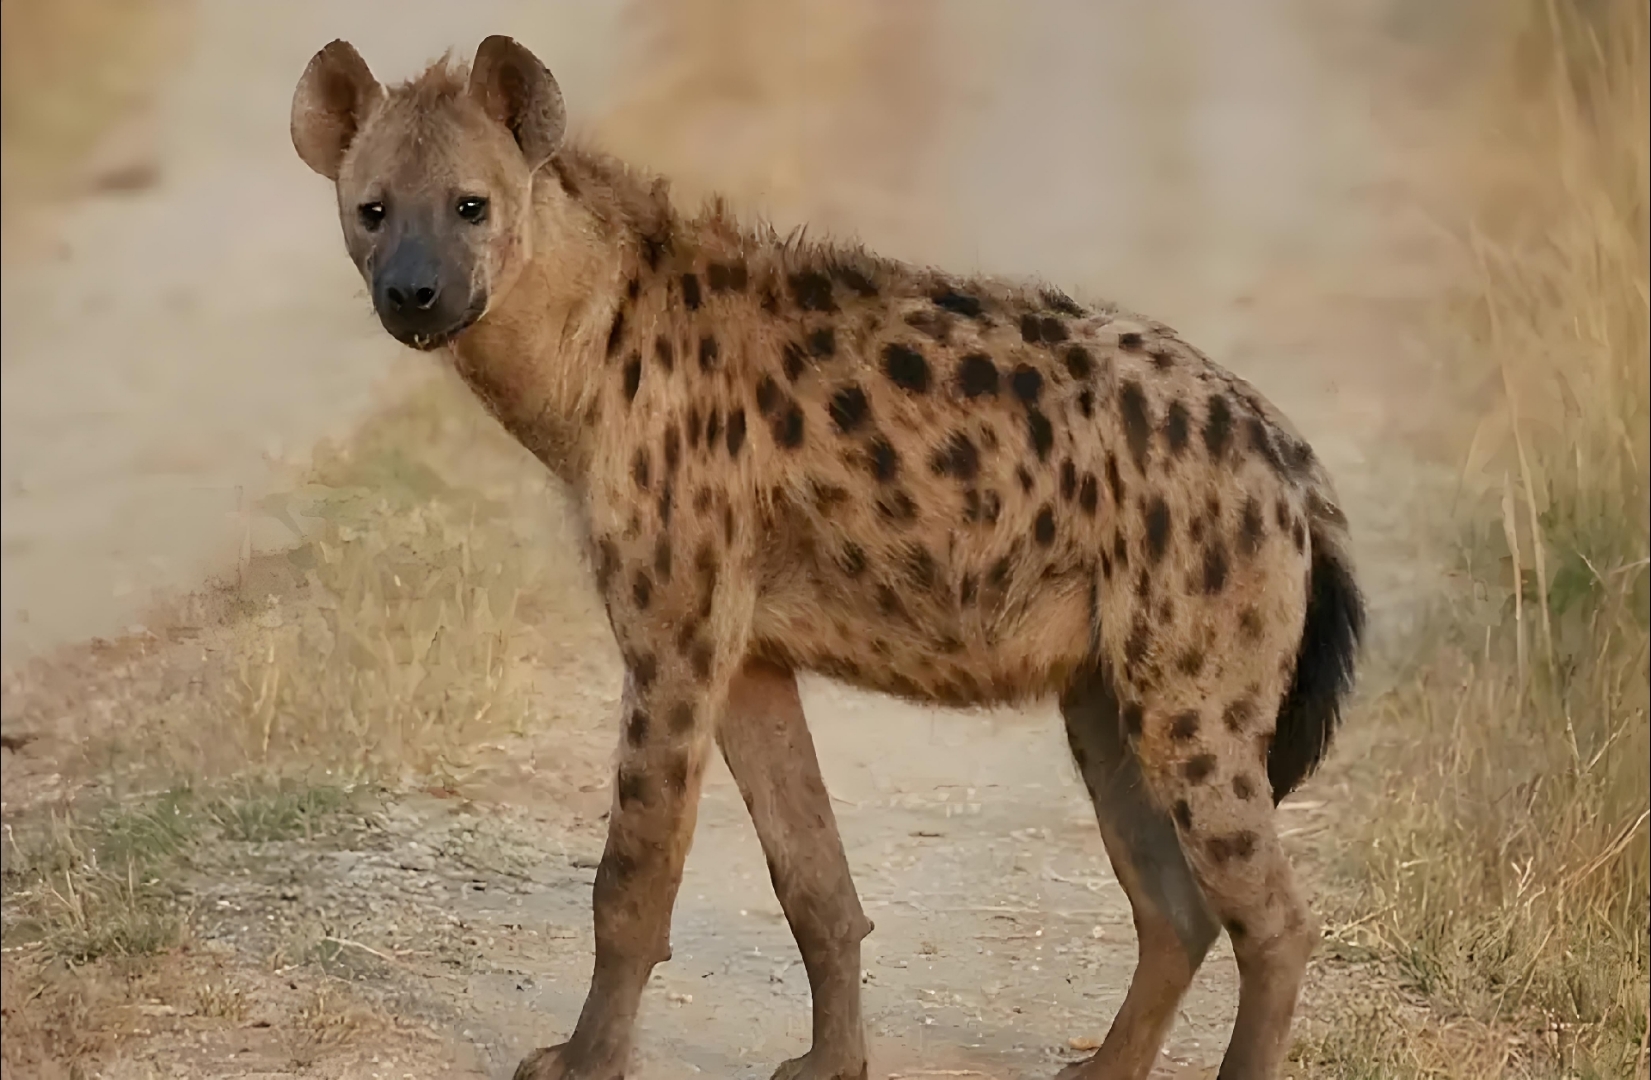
307	703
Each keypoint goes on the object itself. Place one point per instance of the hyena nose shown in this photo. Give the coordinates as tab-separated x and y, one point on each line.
406	296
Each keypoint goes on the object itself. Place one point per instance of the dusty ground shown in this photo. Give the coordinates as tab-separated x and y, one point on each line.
1239	173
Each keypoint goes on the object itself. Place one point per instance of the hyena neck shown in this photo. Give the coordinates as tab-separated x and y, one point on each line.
540	358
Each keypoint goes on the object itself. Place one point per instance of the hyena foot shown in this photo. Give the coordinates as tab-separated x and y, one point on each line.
551	1063
822	1066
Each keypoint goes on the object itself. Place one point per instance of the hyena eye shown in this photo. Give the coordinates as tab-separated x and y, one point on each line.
371	215
472	208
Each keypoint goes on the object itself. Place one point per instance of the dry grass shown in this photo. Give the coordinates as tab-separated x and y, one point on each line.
1504	868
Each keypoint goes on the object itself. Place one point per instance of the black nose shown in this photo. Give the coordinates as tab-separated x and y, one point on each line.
422	297
418	303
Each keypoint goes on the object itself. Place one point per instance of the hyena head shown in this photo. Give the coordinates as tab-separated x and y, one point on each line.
434	178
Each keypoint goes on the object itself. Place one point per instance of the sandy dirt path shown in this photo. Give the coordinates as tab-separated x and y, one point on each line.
1218	168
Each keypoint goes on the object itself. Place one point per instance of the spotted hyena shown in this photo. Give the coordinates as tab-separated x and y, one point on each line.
794	456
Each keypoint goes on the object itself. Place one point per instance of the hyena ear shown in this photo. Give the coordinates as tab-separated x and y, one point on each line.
515	89
333	99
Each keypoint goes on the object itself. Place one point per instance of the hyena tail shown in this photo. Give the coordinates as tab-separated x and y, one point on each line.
1329	648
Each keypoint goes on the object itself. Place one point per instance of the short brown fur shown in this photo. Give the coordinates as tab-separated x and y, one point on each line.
797	456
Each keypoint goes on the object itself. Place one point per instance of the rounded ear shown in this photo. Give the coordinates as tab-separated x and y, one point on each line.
333	98
515	89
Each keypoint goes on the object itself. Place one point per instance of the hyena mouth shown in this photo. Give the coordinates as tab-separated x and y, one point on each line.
443	338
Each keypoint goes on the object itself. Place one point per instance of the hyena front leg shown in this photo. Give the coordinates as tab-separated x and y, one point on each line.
765	740
681	645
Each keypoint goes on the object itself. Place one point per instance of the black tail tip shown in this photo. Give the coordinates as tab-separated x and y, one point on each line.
1323	678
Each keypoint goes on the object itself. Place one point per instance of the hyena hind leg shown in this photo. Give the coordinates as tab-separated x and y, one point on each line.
1173	926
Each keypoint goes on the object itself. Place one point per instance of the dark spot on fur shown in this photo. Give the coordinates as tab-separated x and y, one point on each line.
791	358
736	431
616	332
856	281
994	507
977	376
676	775
822	343
788	426
966	590
768	395
1218	426
690	291
636	728
644	670
607	562
673	448
654	247
633	787
1140	637
1086	402
700	658
1079	363
665	354
726	277
1027	383
1043	528
1243	787
1089	494
1114	480
1190	662
1185	726
1298	535
1023	477
1040	433
1239	714
1238	845
906	368
693	427
633	376
1129	339
849	408
1177	427
1120	550
640	469
1052	330
999	573
1215	568
888	602
1133	715
681	719
1252	528
885	462
1198	768
1069	480
1183	815
853	560
1261	441
708	353
1249	623
958	458
642	590
1137	417
1158	528
897	507
921	567
702	500
1163	359
812	291
957	303
713	429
